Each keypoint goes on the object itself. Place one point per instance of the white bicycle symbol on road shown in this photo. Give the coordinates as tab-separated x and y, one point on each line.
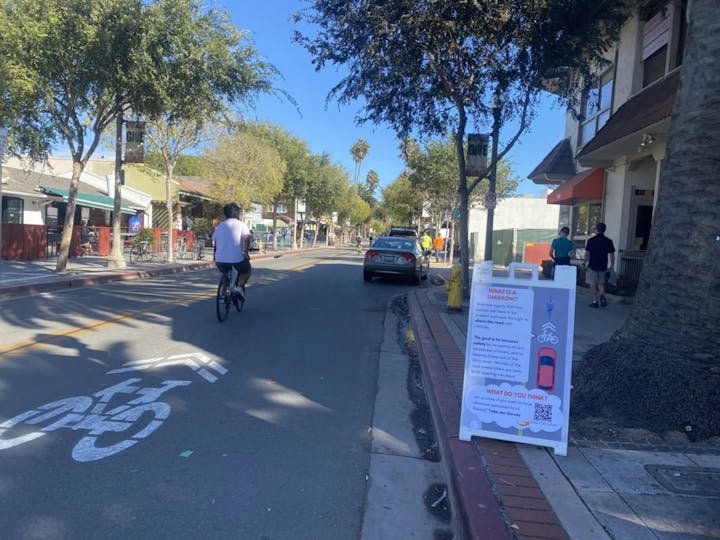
93	414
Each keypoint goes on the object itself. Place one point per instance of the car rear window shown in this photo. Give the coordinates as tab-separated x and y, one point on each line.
394	243
410	233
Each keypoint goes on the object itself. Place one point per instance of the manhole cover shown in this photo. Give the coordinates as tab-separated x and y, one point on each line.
697	481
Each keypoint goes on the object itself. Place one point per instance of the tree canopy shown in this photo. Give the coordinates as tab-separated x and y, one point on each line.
432	171
70	67
244	168
430	67
402	204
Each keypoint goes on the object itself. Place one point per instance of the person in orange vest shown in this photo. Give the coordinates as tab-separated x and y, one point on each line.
438	246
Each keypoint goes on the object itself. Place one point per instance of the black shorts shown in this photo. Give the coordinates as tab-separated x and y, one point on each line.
241	267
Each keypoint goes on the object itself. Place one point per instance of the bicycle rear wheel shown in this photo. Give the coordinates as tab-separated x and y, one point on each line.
134	254
222	301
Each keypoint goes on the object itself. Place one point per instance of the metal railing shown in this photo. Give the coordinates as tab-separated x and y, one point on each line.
630	267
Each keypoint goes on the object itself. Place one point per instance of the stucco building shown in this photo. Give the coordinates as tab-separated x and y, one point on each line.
607	168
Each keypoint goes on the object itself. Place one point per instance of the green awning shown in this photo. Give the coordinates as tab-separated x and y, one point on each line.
87	199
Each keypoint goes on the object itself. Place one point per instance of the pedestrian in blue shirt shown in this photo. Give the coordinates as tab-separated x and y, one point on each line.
562	249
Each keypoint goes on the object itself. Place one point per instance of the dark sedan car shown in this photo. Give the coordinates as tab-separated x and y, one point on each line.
396	256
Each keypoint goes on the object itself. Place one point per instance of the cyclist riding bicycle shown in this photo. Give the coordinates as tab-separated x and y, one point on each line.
358	242
231	239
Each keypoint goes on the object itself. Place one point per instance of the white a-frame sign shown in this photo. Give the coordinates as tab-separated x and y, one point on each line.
518	358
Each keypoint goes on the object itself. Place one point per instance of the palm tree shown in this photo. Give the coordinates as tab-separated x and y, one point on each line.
662	371
359	151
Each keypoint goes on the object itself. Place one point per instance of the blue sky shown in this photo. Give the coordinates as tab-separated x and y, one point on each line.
329	128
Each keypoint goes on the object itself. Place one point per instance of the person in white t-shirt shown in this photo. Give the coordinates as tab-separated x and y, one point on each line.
231	239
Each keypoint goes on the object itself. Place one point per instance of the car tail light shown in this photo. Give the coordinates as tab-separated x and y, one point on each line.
408	257
370	254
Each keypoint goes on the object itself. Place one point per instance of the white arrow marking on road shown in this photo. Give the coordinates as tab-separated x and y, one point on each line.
194	361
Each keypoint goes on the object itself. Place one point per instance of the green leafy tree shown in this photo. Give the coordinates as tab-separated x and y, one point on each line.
352	211
187	164
430	67
299	166
69	68
402	204
433	172
325	189
244	168
209	66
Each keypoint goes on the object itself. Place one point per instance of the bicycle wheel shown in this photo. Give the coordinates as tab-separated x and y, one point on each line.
134	254
222	300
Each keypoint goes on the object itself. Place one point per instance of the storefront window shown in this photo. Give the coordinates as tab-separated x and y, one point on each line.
585	217
12	210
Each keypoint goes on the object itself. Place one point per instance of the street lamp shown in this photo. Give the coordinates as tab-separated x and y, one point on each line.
491	196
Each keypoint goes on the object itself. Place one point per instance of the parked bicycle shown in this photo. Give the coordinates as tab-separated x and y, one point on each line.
179	248
200	250
141	252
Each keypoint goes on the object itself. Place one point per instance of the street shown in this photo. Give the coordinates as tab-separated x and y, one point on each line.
129	411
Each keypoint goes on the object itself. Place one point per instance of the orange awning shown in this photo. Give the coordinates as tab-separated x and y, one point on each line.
585	186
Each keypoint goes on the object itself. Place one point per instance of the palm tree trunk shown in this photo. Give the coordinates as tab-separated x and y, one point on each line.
662	372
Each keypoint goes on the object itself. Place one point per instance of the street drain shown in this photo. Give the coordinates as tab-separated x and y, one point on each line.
698	481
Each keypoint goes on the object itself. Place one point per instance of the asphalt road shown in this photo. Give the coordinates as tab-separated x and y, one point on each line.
148	418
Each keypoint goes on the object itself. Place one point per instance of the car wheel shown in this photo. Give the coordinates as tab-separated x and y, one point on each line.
416	279
367	276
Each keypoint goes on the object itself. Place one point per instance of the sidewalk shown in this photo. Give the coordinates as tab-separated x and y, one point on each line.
636	487
22	277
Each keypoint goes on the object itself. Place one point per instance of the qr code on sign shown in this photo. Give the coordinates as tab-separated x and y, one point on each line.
543	412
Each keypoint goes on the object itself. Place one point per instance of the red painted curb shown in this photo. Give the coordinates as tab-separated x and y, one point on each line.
474	496
484	472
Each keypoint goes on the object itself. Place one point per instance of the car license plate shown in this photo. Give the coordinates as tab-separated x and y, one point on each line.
388	258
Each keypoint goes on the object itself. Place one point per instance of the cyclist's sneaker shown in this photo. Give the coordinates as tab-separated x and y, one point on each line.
603	302
240	292
595	305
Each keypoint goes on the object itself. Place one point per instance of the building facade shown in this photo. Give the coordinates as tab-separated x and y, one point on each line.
607	168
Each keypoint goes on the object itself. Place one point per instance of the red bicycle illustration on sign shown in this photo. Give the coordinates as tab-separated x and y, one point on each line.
106	412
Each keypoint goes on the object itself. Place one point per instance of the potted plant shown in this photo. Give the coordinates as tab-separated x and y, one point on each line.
145	235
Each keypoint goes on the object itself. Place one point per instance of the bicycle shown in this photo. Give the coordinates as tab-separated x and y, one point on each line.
200	250
140	252
226	296
179	248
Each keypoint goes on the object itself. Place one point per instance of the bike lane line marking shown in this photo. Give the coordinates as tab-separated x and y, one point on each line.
96	325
